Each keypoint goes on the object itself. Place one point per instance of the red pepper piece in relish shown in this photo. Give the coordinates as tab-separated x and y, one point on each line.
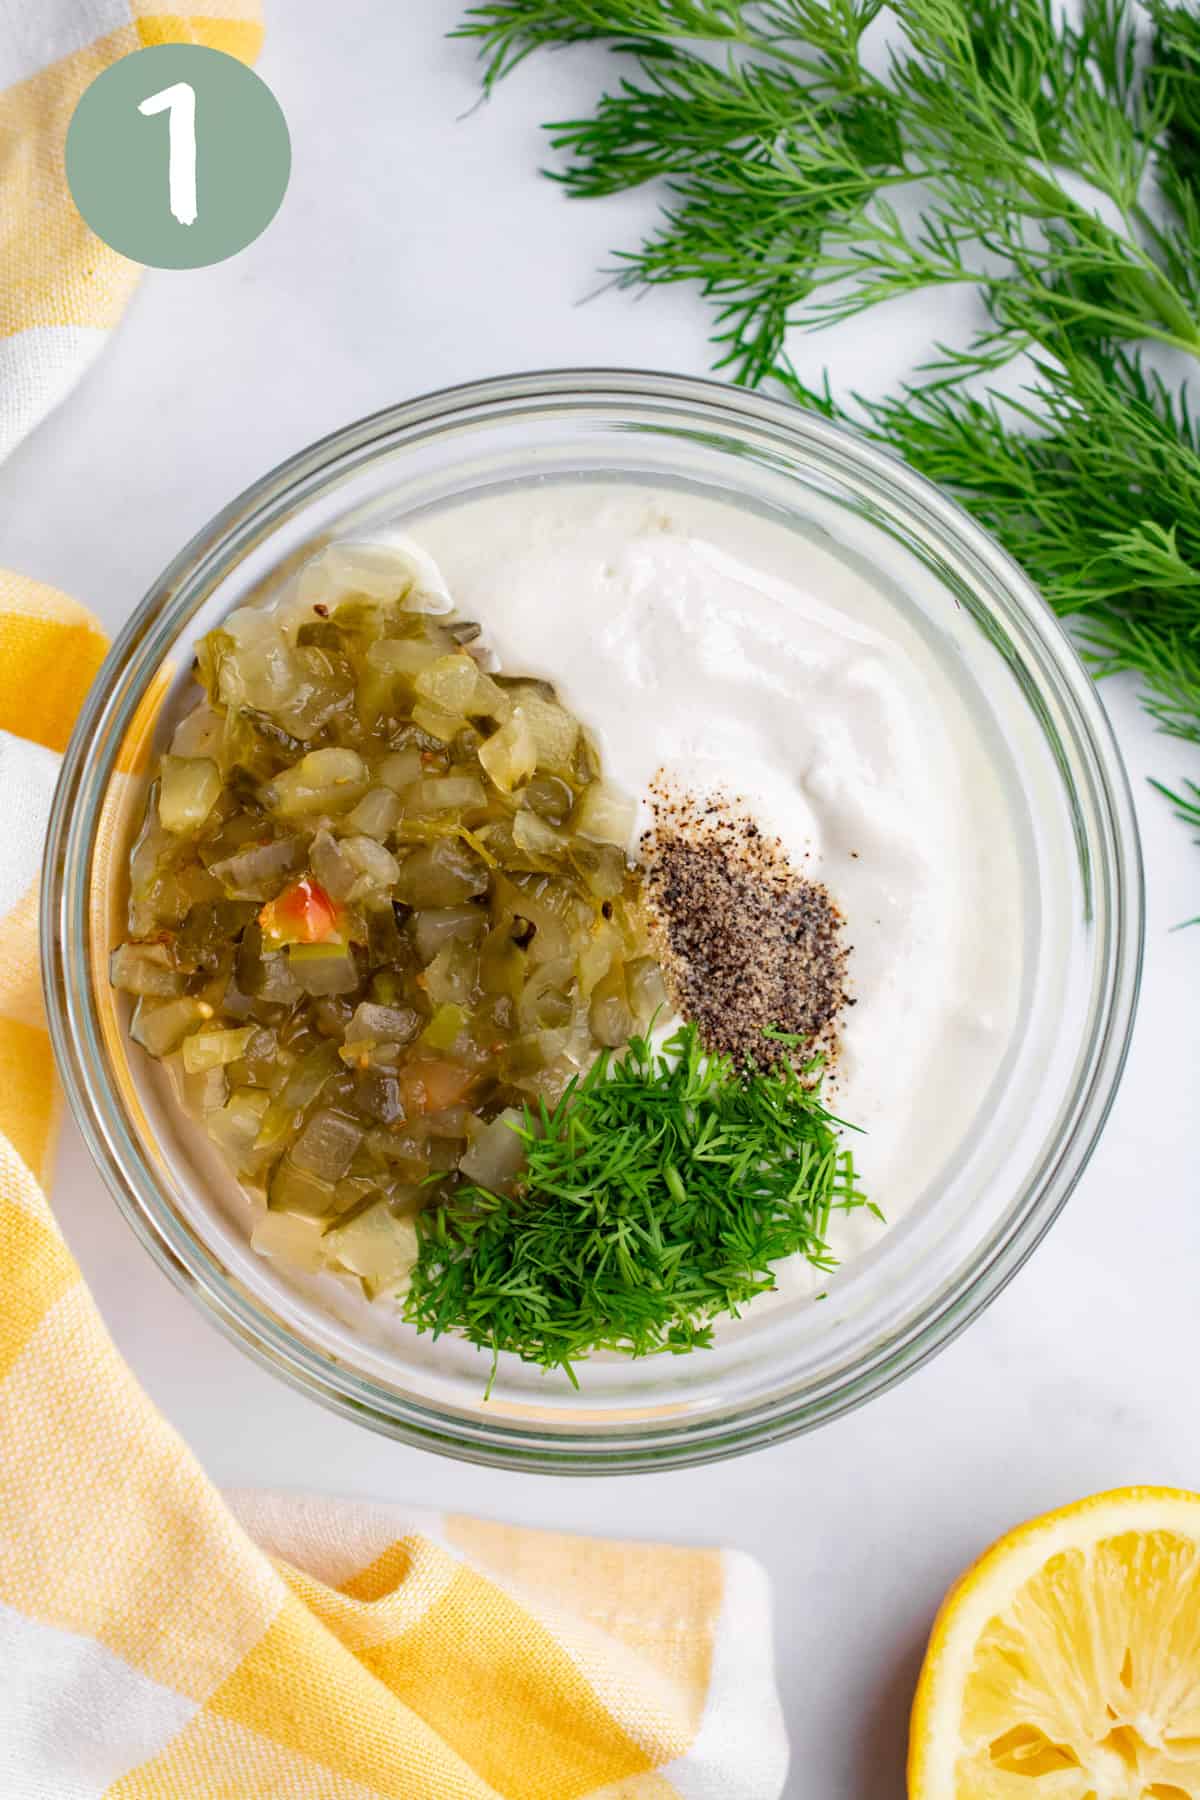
302	914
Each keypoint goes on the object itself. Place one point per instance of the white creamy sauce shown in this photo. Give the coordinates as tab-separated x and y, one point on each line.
739	656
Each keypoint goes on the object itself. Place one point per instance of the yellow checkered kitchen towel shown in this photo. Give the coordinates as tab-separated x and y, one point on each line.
61	289
158	1641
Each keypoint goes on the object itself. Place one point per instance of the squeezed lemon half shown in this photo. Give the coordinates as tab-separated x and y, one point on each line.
1065	1665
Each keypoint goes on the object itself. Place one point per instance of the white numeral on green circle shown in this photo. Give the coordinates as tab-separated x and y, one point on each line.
179	104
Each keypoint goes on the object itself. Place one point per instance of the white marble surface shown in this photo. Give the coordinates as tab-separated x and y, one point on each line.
418	248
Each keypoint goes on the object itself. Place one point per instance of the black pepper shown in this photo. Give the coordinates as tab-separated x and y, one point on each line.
745	941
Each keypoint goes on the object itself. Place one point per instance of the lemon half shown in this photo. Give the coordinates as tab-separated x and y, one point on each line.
1065	1665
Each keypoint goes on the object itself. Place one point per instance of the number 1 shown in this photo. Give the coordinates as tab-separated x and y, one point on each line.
179	104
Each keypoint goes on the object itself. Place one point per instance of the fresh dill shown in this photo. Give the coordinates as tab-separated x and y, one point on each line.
657	1194
1051	166
1185	803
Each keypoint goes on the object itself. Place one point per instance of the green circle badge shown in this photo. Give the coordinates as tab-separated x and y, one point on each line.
178	156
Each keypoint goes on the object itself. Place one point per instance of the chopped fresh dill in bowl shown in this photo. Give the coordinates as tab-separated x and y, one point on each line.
655	1196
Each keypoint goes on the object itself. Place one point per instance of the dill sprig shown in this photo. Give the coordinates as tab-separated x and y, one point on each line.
1049	164
657	1194
1185	803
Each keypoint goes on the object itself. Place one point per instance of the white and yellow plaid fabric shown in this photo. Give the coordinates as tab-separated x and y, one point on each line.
61	289
159	1642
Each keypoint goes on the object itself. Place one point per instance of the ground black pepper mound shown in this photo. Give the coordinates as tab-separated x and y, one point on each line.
744	940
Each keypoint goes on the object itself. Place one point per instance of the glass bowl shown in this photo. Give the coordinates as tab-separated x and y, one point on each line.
886	1311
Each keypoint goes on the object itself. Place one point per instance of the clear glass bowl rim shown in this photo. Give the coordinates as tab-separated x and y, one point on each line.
144	642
